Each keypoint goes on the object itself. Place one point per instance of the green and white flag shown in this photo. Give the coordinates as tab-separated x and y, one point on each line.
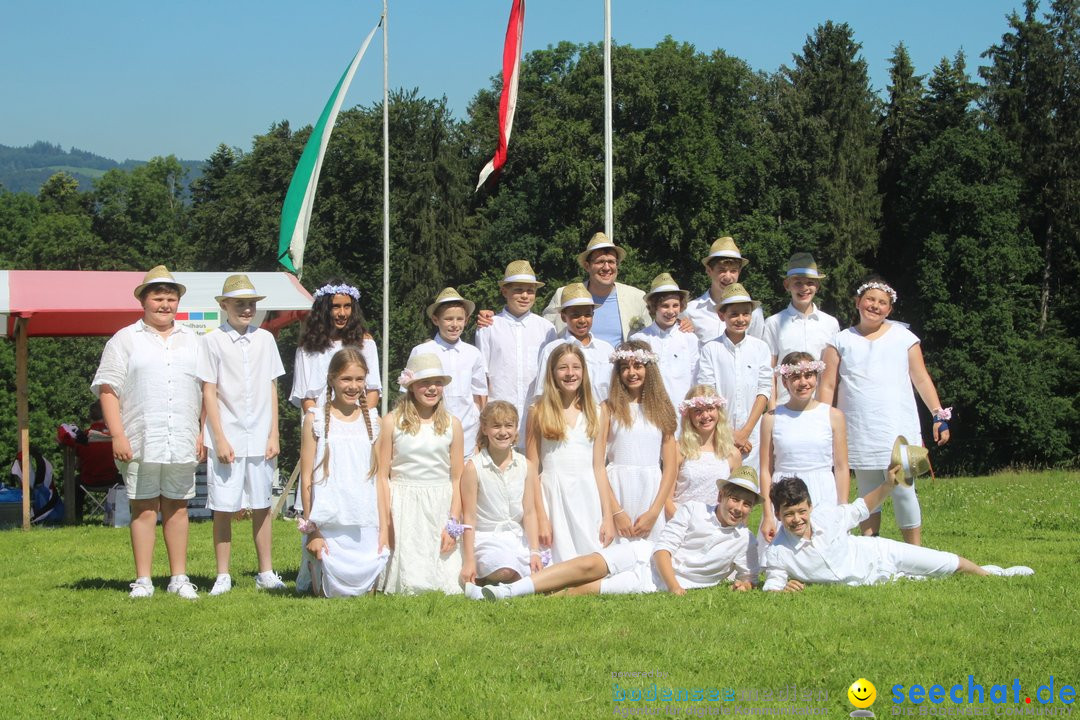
296	212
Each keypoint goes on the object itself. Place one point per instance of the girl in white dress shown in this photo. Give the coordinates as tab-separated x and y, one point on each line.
420	461
876	364
635	455
706	448
573	515
346	523
804	438
498	491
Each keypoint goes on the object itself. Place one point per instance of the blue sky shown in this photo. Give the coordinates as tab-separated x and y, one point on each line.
138	78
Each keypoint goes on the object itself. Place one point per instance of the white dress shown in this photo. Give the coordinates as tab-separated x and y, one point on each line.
876	395
697	478
633	469
570	494
420	498
499	538
803	446
345	508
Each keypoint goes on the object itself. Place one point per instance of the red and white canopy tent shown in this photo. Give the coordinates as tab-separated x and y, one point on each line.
66	303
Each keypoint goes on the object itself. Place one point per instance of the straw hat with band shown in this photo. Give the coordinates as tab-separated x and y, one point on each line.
745	477
450	295
426	366
803	265
725	249
159	275
914	461
520	271
736	293
576	294
664	283
599	241
238	287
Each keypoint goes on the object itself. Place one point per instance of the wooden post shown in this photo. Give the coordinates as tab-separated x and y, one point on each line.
22	411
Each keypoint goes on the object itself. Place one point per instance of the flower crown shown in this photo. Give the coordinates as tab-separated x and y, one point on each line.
799	368
642	356
876	286
405	377
701	402
337	290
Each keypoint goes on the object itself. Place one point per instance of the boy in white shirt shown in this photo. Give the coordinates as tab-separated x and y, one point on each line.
723	265
466	394
511	345
802	326
815	545
576	310
238	366
677	350
701	546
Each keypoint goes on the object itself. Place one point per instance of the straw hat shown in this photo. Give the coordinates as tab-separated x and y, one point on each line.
423	367
914	460
159	274
238	287
743	476
600	241
664	283
802	264
450	295
726	248
736	293
576	294
520	271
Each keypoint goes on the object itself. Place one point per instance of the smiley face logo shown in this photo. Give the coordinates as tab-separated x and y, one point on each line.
862	693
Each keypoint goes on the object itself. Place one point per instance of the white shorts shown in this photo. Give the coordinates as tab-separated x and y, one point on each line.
148	481
500	549
240	485
630	568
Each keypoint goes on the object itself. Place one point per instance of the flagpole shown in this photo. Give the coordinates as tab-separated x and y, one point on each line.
609	215
386	212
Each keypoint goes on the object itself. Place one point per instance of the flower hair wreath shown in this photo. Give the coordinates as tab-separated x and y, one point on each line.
701	402
799	368
877	286
337	290
642	356
405	377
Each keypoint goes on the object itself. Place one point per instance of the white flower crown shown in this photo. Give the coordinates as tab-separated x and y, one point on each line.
337	290
702	401
876	286
642	356
799	368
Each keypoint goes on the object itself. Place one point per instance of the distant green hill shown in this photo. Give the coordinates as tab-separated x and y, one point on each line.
24	169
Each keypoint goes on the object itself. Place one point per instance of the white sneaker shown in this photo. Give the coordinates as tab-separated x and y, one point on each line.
473	592
180	585
141	589
222	585
269	580
496	592
993	569
1017	571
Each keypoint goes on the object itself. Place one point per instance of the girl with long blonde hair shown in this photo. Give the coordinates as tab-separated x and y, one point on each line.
706	448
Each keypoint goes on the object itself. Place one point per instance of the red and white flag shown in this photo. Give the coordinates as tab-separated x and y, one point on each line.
508	101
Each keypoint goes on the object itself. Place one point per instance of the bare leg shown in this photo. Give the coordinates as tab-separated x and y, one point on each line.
969	568
501	576
572	573
912	536
589	588
222	540
174	518
872	524
143	534
262	533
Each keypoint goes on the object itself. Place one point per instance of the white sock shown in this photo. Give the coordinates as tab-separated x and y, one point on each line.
524	586
223	576
144	580
178	579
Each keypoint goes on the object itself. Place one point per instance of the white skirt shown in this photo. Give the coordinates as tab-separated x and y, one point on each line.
351	564
419	513
500	549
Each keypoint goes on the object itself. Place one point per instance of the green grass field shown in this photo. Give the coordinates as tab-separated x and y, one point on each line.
74	644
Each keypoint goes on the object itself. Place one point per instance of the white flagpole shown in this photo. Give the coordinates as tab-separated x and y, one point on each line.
386	212
609	215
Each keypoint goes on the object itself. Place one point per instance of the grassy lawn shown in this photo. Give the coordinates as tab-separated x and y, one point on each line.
74	645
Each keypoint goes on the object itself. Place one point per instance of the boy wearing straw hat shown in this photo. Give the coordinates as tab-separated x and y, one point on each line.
511	344
815	544
802	326
466	393
677	350
723	265
576	312
738	366
238	366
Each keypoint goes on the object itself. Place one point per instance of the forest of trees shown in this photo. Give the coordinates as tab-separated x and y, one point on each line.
960	186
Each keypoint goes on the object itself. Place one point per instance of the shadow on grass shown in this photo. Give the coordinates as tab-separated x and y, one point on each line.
162	581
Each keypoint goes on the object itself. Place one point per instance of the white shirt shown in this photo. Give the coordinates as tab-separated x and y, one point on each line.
678	352
707	323
704	552
160	396
597	360
830	555
499	492
310	368
242	366
465	366
790	331
511	348
740	373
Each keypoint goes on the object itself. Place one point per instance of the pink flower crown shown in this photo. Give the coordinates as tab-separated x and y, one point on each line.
701	402
799	368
